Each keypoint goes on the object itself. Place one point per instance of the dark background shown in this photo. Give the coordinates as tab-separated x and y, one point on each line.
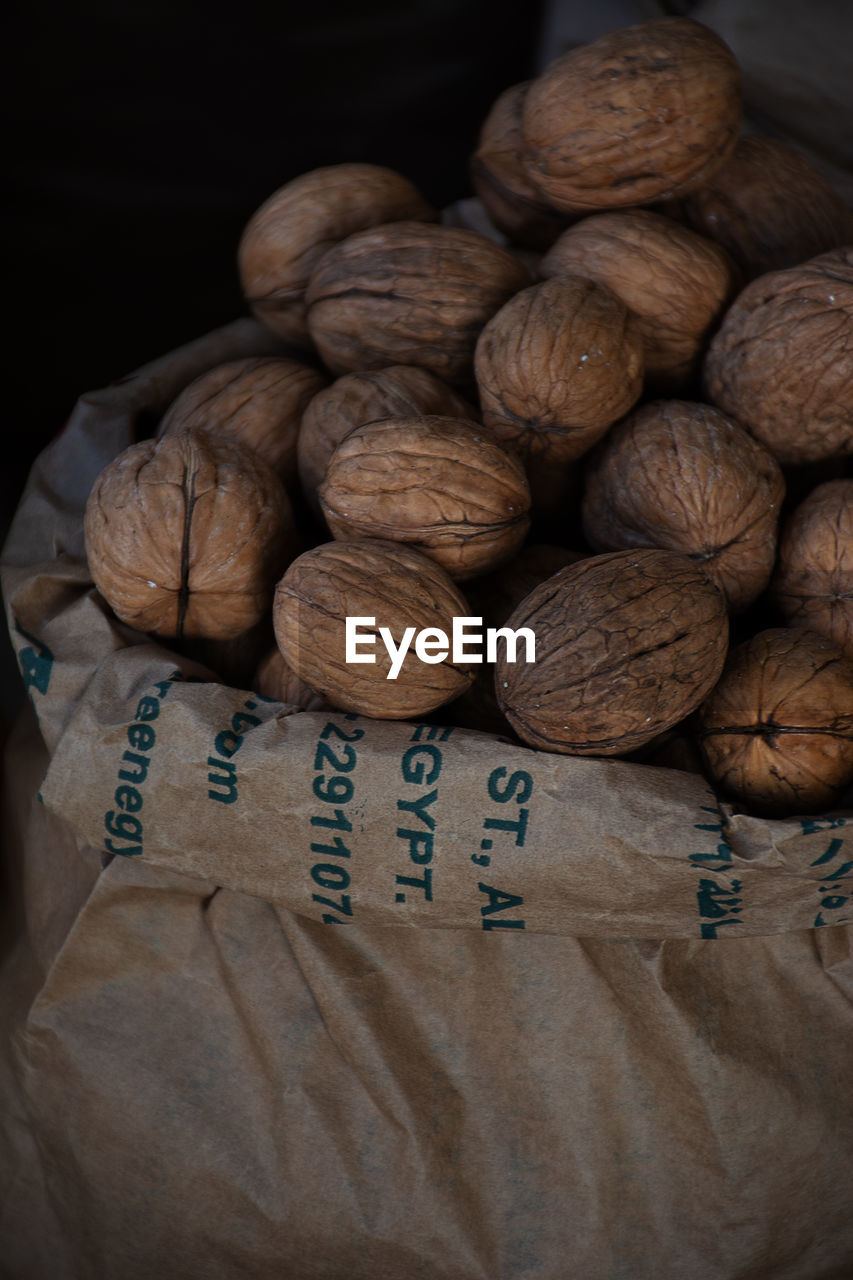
141	136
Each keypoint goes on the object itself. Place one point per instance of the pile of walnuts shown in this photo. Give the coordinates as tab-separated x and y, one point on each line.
622	420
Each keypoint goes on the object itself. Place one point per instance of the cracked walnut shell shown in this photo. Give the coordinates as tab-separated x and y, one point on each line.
439	484
185	536
777	731
257	401
627	644
684	477
643	113
368	578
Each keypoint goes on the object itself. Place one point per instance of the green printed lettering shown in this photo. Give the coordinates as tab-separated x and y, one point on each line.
519	781
123	825
36	662
498	900
134	851
222	773
423	883
330	875
227	743
243	718
326	755
414	768
141	763
129	799
519	826
337	850
426	838
163	686
141	736
442	732
419	806
148	709
503	924
832	849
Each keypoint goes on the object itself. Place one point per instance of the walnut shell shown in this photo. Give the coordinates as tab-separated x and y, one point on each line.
275	679
286	237
493	598
368	578
186	535
684	477
358	398
439	484
768	207
782	360
676	282
641	114
257	401
556	366
813	583
497	594
777	731
627	645
409	293
513	203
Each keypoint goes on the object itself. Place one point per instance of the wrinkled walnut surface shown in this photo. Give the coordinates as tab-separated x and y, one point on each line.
813	583
676	282
366	577
358	398
257	401
768	206
441	485
627	645
556	366
409	293
513	203
782	360
682	476
186	535
777	731
287	236
641	114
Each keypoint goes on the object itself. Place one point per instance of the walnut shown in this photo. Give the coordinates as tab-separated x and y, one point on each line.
768	206
286	237
439	484
368	578
493	598
275	679
813	583
641	114
684	477
782	360
497	594
777	731
676	282
409	293
358	398
512	202
556	366
257	401
185	536
627	644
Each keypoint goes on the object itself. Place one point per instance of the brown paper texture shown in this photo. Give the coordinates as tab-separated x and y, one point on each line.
579	1020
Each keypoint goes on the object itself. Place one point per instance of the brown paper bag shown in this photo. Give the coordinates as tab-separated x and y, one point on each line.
332	997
